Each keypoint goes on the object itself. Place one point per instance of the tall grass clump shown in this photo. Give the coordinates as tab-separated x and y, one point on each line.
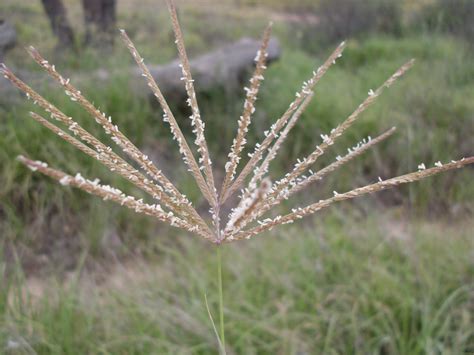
351	285
259	195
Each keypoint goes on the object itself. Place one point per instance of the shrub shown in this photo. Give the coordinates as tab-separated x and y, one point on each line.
451	16
341	19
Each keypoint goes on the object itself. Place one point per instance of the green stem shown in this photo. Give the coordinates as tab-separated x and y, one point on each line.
221	298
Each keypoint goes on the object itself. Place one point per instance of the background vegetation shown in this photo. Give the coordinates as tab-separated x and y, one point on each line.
351	281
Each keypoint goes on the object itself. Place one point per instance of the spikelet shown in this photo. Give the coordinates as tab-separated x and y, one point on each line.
272	153
259	196
249	108
298	213
247	208
110	193
328	140
353	152
263	168
102	152
109	127
280	123
273	198
168	117
196	120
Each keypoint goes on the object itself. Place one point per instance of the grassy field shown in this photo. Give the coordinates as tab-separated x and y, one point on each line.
78	275
344	284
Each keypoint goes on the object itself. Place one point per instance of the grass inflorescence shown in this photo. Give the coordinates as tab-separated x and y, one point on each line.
258	196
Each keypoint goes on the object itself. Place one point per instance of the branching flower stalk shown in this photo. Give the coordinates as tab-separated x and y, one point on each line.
258	195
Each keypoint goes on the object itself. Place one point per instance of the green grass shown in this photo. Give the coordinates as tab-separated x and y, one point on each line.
385	286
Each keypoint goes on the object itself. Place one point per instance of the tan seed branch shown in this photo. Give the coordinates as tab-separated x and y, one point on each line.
109	193
260	149
243	123
328	140
299	213
168	117
196	120
273	199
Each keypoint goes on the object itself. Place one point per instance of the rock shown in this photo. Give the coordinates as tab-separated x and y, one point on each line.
7	37
225	67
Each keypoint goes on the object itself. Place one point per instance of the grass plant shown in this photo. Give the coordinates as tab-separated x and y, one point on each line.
259	194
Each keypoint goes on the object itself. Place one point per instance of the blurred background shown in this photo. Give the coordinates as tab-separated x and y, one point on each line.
360	272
